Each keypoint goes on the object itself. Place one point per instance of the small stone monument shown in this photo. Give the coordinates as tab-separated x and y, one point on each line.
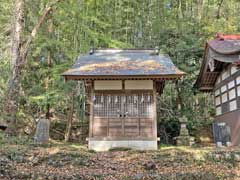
184	139
42	131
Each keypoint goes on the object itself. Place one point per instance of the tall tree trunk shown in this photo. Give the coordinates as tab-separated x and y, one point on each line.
179	98
50	64
19	53
14	84
70	118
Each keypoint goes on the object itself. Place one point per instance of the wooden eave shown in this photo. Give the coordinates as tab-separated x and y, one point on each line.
206	80
203	67
124	77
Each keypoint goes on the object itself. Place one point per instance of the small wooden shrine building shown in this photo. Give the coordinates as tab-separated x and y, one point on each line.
122	86
219	73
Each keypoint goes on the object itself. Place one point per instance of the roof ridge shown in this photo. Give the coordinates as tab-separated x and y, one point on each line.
113	50
222	37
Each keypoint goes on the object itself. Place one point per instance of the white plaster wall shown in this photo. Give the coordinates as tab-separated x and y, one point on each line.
108	85
106	145
139	84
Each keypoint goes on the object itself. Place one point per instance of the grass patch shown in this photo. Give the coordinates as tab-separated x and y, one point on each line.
120	149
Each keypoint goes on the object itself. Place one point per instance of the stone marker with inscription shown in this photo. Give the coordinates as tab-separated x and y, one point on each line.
42	131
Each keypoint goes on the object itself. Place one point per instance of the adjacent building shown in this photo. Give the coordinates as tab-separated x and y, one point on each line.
220	74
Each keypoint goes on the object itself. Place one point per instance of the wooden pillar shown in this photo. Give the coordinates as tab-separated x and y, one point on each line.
154	110
89	106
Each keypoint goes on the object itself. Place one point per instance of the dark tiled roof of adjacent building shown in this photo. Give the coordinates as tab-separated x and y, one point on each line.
224	50
226	47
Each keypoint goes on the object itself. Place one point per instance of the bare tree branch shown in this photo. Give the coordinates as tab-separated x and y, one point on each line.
36	28
219	8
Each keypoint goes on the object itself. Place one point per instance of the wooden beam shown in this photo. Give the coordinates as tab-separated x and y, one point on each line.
124	77
206	88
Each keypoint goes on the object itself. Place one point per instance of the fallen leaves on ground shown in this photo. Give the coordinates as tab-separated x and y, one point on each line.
69	161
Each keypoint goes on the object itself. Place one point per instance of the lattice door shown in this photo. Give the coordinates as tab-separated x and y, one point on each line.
127	115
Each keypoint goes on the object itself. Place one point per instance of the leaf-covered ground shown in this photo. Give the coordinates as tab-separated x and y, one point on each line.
22	159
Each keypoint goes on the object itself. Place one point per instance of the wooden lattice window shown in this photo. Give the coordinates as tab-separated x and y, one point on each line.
123	105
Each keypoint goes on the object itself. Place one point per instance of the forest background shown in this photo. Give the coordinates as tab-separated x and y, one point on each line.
180	28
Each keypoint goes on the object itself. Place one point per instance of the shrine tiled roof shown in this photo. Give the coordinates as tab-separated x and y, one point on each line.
118	62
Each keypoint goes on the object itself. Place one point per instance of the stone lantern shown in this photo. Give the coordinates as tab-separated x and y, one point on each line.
184	139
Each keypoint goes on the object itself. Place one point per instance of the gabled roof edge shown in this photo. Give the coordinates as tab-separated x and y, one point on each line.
203	65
